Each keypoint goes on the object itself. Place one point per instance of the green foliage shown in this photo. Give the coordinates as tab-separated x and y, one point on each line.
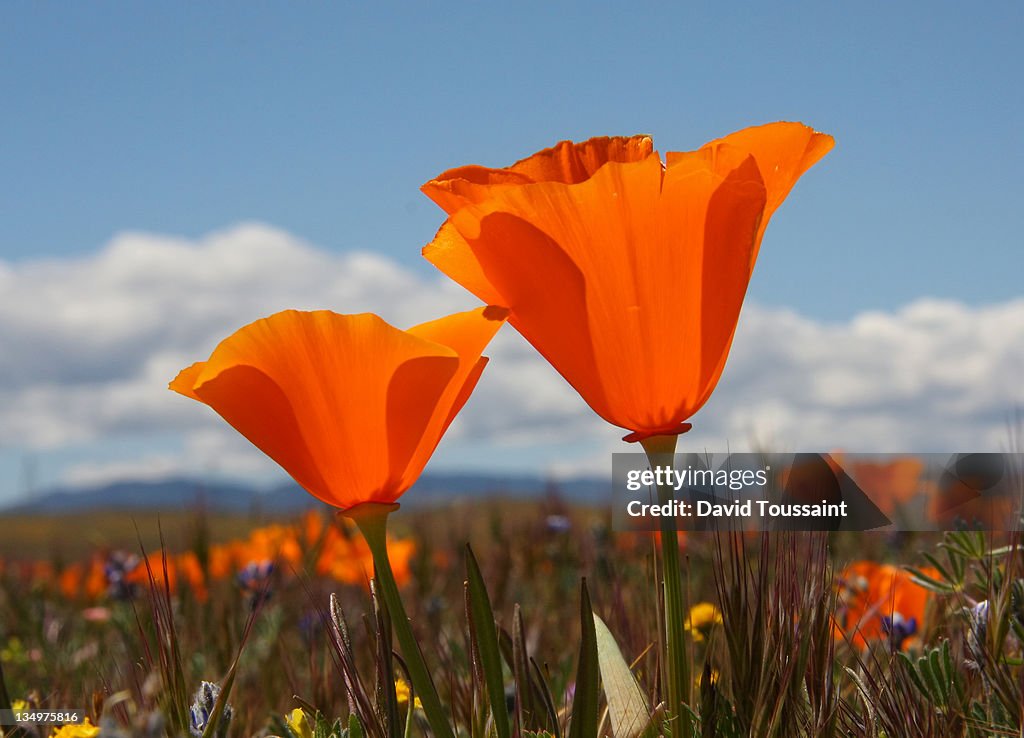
508	657
585	702
934	674
484	639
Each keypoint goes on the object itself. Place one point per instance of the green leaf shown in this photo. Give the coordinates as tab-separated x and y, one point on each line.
935	669
482	617
544	691
525	709
355	728
927	665
585	703
928	582
385	667
627	707
912	672
952	675
934	561
324	727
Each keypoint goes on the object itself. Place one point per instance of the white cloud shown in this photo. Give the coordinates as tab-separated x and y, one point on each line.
88	346
934	376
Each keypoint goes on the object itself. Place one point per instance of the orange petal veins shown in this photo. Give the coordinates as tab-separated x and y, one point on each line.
344	403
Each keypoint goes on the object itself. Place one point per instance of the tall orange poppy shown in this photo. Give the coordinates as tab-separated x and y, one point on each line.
627	273
348	405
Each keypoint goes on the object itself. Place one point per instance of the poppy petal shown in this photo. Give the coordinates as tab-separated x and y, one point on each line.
784	151
450	253
565	162
466	334
570	163
184	383
712	264
254	405
414	396
526	271
465	391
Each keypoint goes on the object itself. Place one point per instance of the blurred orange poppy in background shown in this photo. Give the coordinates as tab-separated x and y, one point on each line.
625	272
891	484
881	600
348	405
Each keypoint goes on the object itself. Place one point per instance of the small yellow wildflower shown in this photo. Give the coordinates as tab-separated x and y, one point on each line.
703	616
402	694
80	730
19	706
298	723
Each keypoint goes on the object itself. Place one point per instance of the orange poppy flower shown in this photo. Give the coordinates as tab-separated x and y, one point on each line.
348	405
625	272
192	572
876	597
890	484
223	558
70	580
153	570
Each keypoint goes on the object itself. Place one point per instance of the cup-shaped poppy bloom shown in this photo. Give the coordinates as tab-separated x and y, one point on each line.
348	405
625	272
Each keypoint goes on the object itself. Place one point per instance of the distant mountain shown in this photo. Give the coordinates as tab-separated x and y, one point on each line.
290	498
139	495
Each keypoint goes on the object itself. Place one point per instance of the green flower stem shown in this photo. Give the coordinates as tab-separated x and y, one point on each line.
372	518
661	452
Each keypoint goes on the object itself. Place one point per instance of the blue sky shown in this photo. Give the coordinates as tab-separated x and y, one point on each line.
324	119
321	121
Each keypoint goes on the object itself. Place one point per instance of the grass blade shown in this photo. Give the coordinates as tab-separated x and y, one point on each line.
585	702
525	709
486	632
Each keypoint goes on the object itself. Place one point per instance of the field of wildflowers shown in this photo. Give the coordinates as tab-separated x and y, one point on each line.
785	634
627	272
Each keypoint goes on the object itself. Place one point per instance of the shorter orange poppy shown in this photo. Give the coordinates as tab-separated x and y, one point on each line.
348	405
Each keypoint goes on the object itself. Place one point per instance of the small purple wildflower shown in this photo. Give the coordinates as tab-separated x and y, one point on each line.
254	581
116	569
203	702
898	629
